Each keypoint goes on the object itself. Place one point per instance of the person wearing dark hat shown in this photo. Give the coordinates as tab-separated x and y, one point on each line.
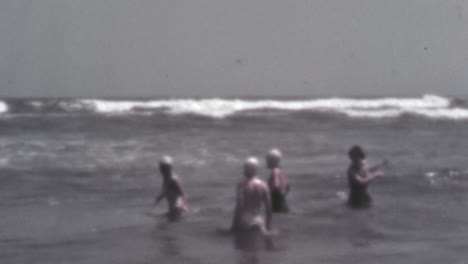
172	190
359	176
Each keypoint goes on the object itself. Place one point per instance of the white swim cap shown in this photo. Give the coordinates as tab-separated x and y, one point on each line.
250	167
166	160
275	153
251	163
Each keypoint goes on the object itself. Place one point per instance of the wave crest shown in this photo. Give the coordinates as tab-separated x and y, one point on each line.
427	106
221	108
3	107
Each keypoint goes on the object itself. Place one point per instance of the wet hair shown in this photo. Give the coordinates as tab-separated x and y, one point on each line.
356	152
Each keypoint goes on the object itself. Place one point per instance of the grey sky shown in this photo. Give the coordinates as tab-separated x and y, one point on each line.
211	48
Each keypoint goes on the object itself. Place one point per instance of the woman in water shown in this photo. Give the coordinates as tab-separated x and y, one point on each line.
172	190
359	176
278	182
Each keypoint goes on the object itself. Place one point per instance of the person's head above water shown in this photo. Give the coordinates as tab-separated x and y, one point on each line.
273	158
250	167
165	165
356	153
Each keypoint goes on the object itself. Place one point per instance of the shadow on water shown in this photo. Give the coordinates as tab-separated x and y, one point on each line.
170	242
361	230
166	239
250	244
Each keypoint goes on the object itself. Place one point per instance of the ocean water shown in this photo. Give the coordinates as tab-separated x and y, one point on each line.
78	178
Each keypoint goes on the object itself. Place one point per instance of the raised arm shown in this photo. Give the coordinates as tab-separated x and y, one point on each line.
363	176
378	166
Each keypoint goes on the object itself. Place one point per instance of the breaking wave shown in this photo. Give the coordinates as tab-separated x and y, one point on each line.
3	107
428	106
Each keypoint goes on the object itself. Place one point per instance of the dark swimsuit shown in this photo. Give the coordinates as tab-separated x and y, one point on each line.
359	197
278	201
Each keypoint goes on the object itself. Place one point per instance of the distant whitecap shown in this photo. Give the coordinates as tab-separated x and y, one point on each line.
3	107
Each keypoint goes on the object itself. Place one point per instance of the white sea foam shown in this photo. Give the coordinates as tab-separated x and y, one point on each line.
373	114
36	104
79	105
3	107
443	113
430	106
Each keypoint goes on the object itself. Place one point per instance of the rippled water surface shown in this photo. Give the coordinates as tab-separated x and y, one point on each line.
77	186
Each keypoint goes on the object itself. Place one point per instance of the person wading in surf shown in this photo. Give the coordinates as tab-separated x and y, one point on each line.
278	182
171	190
252	214
359	176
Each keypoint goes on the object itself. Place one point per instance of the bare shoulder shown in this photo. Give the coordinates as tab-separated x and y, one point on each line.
259	183
176	178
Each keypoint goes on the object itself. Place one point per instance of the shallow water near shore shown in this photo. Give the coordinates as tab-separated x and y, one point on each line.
77	186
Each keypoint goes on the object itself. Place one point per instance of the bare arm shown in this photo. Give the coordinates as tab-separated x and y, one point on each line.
279	181
180	189
365	176
288	186
274	179
267	203
378	166
235	218
159	197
